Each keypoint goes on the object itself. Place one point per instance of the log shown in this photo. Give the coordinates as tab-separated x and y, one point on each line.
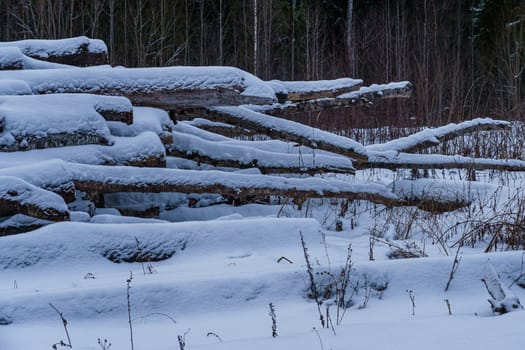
298	91
394	161
364	96
502	299
79	51
166	88
20	197
431	137
239	156
144	150
288	130
56	174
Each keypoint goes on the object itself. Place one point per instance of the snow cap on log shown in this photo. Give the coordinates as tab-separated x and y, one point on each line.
14	87
11	58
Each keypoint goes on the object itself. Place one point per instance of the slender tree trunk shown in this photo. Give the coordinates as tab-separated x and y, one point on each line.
349	38
255	37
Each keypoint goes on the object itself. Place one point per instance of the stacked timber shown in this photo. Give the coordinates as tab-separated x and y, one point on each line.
71	137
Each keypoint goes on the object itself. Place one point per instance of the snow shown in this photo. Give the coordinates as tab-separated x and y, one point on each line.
60	47
14	87
118	219
192	128
230	268
144	119
13	189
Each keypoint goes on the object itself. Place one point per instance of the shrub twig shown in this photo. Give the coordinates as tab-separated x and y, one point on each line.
64	322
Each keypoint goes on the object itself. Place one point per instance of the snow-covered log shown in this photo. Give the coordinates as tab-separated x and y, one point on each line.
393	160
12	58
80	51
143	150
64	177
288	130
33	122
440	195
297	91
112	108
240	156
502	300
364	96
219	129
20	197
431	137
166	88
55	174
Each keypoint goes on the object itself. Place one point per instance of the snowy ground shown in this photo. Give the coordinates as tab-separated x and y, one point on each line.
222	275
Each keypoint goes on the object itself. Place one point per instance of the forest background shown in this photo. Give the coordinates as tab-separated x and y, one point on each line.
466	58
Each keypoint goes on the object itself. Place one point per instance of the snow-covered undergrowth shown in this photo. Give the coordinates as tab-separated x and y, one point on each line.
219	275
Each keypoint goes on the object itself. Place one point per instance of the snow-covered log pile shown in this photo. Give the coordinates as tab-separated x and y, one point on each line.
89	133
